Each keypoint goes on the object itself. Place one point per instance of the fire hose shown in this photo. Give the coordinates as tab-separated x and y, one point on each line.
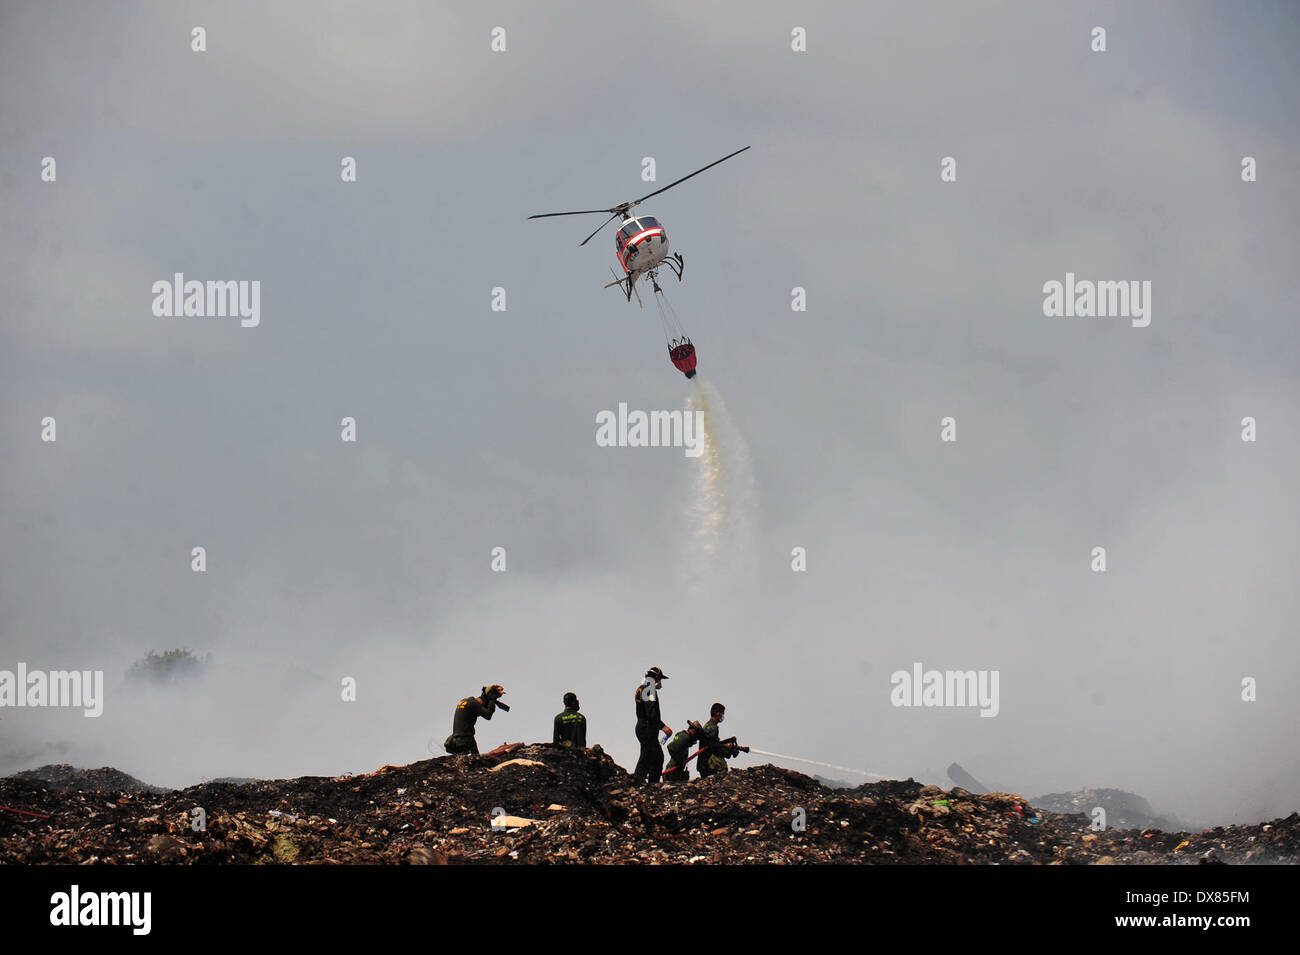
682	767
732	742
24	812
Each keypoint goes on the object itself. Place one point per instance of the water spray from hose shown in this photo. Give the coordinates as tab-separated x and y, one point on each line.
800	759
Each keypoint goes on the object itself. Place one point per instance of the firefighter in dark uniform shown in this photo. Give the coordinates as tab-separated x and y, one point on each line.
714	752
468	711
570	726
649	725
679	748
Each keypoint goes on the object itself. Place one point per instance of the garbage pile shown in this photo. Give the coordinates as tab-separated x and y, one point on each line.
67	778
548	804
1124	810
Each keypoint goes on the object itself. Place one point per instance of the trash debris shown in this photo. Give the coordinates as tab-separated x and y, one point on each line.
1124	810
504	748
511	822
422	855
579	806
515	762
65	778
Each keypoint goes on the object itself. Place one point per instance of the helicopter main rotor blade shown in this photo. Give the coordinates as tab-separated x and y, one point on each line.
584	212
623	208
602	225
684	178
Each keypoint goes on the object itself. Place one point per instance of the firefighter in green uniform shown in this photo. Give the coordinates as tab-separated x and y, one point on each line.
468	711
679	748
571	726
715	752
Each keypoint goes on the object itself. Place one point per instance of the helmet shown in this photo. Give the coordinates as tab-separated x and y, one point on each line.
571	699
494	691
656	674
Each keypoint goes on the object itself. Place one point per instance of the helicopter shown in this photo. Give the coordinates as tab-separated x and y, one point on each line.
641	245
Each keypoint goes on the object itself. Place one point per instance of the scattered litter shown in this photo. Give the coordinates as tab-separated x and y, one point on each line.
515	762
511	822
583	808
504	748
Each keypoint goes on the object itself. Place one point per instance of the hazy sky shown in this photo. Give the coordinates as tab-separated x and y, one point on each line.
476	427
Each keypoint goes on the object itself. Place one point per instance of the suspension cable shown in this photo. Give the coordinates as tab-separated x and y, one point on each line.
668	318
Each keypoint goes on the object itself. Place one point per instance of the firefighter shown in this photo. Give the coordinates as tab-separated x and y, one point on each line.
649	725
468	711
679	748
571	726
715	752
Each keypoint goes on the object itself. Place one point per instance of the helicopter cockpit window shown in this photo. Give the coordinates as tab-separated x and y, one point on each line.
630	230
649	222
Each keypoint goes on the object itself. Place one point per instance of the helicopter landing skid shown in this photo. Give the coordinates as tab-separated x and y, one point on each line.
677	264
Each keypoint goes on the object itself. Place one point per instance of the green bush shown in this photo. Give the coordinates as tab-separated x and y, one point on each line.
168	665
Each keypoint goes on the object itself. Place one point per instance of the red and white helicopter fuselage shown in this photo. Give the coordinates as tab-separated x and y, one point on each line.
641	244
